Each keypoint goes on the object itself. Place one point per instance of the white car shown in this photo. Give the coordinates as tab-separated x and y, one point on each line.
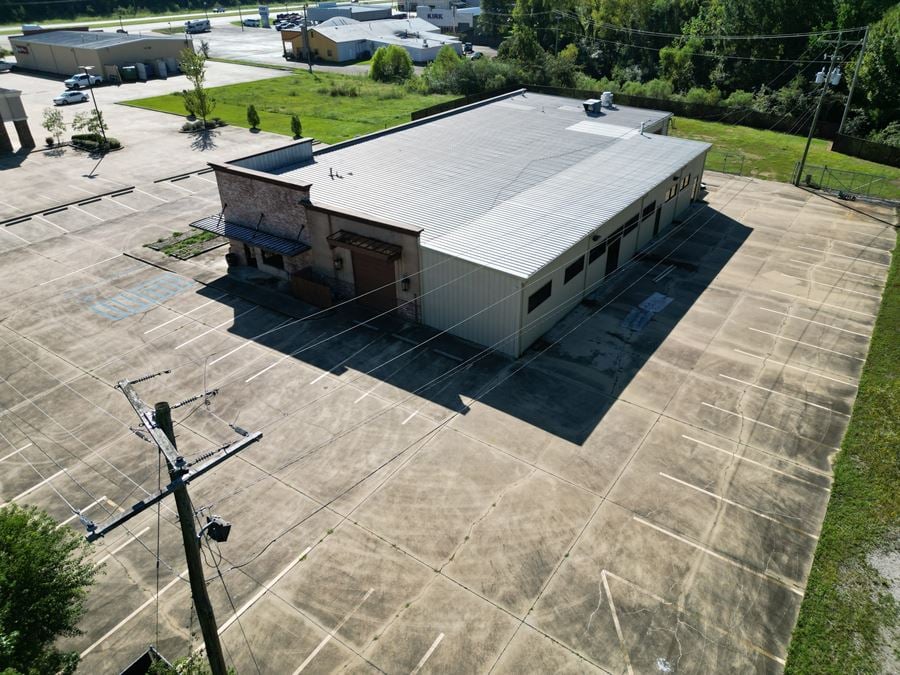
68	97
251	23
81	80
5	66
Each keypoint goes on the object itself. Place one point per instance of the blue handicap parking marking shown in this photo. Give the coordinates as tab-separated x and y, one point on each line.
140	297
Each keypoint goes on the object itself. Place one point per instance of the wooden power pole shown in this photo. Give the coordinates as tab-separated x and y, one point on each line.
158	423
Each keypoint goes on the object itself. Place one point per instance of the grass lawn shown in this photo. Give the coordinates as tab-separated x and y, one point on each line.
772	155
332	107
848	616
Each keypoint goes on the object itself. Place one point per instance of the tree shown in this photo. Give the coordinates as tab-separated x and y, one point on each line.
197	102
391	64
296	127
252	117
45	574
54	123
91	122
880	71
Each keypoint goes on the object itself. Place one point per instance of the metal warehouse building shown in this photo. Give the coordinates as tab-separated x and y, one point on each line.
65	52
490	221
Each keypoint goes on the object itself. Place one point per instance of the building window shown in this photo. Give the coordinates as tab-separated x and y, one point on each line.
685	181
597	251
649	209
272	259
329	52
672	191
536	298
574	269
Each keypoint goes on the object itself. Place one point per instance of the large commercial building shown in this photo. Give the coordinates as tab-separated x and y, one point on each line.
342	39
490	221
328	10
65	52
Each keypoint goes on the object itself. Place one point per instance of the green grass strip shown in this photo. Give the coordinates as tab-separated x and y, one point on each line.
848	615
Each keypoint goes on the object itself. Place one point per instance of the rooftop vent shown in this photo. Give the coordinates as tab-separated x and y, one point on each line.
591	106
607	98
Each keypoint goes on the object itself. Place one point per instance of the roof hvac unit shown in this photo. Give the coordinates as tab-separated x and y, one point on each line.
607	99
591	105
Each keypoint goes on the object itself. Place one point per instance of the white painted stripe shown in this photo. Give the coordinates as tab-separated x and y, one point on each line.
768	577
330	635
836	269
618	627
250	340
733	503
664	273
24	447
84	510
850	243
874	236
130	208
838	255
760	423
133	537
36	486
206	179
215	328
742	458
176	185
85	212
323	375
411	415
264	370
128	618
265	589
50	222
68	274
805	344
6	230
809	371
773	391
823	304
160	199
840	288
818	323
427	655
182	315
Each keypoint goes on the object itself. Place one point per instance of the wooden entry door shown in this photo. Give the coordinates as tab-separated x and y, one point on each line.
375	281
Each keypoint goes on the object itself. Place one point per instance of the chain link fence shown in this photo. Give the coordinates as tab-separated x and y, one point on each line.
725	162
850	183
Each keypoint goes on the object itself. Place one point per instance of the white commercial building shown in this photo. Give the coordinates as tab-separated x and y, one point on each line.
453	18
490	221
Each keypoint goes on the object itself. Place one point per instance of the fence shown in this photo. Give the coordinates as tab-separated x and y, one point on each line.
725	162
859	147
841	181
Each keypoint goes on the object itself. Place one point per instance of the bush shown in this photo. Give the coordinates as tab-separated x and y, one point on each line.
633	88
49	141
658	89
252	117
740	99
391	64
296	127
344	89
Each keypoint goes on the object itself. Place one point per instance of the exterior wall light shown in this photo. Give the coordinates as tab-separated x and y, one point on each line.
404	283
338	263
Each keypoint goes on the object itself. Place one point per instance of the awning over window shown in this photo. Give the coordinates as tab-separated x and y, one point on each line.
269	242
366	245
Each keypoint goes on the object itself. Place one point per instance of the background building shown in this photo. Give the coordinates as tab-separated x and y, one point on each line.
490	221
64	52
340	39
451	18
328	10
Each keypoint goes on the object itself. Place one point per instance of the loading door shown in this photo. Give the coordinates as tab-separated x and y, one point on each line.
612	255
375	281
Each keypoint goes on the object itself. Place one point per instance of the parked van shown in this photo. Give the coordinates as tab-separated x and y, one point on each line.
31	28
197	26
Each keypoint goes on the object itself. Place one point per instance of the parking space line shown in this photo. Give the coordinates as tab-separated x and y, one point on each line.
8	231
762	575
14	208
34	487
733	503
87	213
190	192
128	618
844	241
83	510
664	273
840	288
411	415
427	655
331	634
81	269
50	222
266	587
124	204
819	323
252	340
182	315
5	457
849	257
215	328
615	618
766	466
809	371
874	236
762	424
837	269
805	344
144	192
824	304
206	179
134	537
773	391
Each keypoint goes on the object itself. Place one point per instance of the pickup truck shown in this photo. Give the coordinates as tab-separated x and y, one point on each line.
81	80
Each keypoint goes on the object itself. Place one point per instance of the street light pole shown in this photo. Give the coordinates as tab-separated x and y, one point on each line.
812	128
94	99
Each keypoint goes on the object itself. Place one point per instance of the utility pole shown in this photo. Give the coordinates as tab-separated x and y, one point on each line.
240	16
158	423
812	128
862	53
306	38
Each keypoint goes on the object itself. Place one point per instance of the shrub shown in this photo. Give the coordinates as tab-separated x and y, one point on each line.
296	127
633	88
391	64
658	88
49	141
252	117
739	99
344	89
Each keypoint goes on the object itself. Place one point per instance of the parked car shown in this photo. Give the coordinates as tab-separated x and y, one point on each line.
81	80
477	55
70	96
5	66
251	23
219	10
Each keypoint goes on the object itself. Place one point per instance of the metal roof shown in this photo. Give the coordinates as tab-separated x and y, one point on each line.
388	31
89	39
510	184
270	242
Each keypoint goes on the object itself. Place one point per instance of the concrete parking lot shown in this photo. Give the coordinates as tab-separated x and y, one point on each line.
640	492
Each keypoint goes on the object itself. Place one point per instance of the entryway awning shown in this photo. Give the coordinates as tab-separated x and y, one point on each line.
366	245
247	235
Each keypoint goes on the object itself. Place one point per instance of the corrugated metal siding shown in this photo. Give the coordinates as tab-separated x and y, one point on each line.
470	301
295	153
